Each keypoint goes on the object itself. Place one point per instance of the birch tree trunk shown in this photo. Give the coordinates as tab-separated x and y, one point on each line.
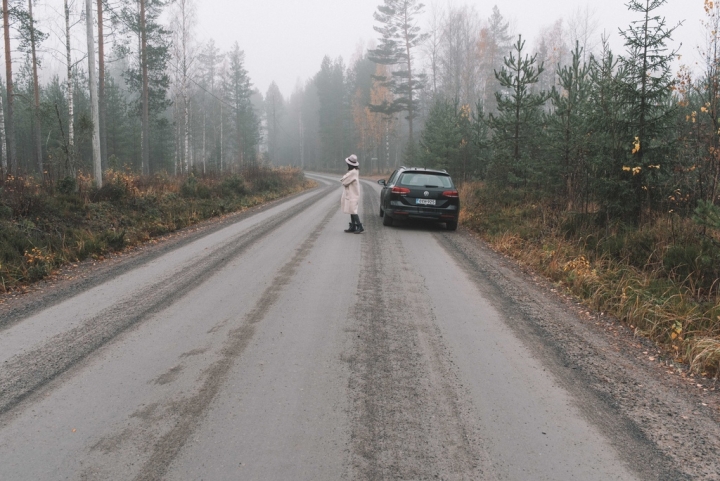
97	159
102	112
3	146
145	93
221	137
10	123
70	91
204	151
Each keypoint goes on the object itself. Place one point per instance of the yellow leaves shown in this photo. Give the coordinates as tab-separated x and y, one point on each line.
465	111
703	109
677	330
636	146
634	170
36	256
656	167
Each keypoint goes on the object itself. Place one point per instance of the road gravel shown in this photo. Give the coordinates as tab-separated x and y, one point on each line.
272	345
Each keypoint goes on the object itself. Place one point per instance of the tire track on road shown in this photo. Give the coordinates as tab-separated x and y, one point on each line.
27	372
45	299
188	412
411	418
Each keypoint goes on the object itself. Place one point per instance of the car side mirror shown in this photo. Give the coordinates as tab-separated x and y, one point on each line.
381	182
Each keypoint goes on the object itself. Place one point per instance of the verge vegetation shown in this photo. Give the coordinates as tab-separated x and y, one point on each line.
43	227
661	278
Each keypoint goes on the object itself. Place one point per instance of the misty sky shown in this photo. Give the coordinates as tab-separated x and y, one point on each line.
285	40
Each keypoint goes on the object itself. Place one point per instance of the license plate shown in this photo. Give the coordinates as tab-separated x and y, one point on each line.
425	201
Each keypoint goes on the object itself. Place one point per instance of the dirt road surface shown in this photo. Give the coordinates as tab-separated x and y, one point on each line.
274	346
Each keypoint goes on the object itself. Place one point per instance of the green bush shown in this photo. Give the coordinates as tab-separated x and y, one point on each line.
234	185
189	187
67	185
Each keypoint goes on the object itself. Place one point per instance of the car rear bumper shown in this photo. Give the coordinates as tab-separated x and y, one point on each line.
423	213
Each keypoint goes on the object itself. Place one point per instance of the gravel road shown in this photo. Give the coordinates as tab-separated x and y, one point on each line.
271	345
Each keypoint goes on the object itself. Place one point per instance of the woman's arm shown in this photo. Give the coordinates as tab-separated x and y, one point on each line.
349	178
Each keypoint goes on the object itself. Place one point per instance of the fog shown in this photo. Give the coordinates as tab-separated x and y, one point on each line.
285	41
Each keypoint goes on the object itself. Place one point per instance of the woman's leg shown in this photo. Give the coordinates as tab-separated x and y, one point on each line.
358	225
353	226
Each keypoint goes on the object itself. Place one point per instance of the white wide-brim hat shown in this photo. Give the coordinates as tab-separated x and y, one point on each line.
352	160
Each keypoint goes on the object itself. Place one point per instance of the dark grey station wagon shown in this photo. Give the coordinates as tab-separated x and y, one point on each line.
418	193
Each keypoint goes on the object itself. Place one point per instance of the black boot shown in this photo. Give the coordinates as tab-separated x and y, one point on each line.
352	228
358	226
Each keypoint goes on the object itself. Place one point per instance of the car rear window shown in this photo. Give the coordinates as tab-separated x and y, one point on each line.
414	179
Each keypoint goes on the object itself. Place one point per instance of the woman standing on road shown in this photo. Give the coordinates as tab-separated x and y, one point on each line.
351	194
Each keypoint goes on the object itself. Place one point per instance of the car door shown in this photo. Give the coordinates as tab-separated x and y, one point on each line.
384	194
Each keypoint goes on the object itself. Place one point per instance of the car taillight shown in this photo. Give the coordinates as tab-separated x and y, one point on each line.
450	193
400	190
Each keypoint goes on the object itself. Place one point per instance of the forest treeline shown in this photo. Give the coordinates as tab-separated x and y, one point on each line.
614	132
165	102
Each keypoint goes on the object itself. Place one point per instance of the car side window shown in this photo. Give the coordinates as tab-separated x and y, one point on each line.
393	178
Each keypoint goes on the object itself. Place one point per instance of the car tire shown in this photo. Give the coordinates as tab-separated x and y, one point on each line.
451	225
382	212
387	221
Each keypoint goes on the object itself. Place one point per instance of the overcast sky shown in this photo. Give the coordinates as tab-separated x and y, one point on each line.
285	40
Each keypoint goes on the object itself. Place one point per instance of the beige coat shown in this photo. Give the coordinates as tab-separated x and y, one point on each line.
351	192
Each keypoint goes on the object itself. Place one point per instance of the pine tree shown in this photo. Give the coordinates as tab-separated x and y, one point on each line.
148	76
495	44
247	126
608	138
334	112
568	128
440	141
400	36
517	125
274	111
648	92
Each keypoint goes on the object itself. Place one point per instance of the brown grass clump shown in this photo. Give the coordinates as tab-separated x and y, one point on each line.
660	278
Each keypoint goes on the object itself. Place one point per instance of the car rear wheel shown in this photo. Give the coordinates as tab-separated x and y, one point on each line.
451	225
387	220
382	212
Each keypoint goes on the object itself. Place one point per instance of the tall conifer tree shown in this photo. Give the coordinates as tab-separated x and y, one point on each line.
400	36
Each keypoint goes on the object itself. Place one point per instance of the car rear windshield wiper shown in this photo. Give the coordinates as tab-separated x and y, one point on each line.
431	186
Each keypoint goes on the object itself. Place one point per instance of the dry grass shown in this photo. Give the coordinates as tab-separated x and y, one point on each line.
43	226
661	279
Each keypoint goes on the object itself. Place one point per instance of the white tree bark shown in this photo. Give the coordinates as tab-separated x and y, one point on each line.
70	90
2	138
97	159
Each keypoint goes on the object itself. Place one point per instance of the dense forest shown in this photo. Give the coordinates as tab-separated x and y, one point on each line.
617	132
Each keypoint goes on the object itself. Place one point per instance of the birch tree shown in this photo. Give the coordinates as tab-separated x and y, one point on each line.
96	156
70	87
183	36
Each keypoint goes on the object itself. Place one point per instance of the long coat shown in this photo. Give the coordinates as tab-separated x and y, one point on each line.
351	192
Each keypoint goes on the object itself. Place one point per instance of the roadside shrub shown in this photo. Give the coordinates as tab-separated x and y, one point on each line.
67	185
694	265
43	226
662	278
234	184
266	184
189	187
